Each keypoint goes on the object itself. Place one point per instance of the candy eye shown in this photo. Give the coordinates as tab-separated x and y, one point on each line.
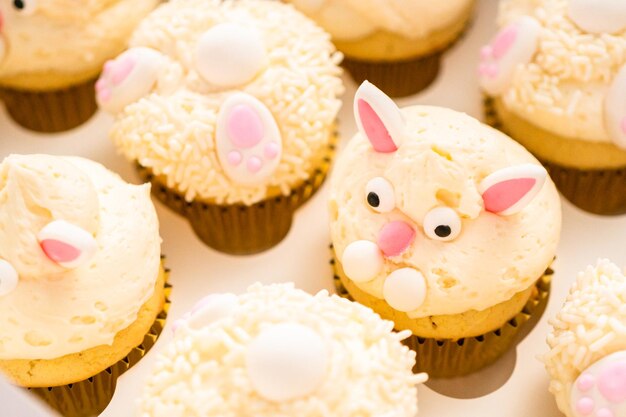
379	195
8	278
442	223
25	7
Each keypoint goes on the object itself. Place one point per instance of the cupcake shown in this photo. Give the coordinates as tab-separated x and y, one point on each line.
51	52
555	78
395	44
82	289
277	351
228	108
443	225
587	357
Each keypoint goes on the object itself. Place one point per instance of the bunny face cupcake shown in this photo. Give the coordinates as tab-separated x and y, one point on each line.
51	51
439	222
396	44
555	76
277	351
229	106
80	278
587	357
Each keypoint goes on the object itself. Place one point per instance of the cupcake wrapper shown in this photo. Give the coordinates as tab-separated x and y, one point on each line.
238	229
598	191
447	358
90	397
51	111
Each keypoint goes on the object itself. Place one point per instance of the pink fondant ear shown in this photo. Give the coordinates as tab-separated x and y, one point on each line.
378	118
66	244
509	190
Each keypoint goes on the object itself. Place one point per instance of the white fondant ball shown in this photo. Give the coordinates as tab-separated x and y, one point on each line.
362	261
405	289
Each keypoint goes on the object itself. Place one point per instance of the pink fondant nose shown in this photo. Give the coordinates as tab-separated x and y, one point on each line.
395	238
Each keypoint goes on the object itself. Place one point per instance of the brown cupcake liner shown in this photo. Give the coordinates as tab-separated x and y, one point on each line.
238	229
598	191
51	111
90	397
445	358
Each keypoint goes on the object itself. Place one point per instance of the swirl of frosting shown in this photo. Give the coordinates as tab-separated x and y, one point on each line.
67	40
84	249
278	351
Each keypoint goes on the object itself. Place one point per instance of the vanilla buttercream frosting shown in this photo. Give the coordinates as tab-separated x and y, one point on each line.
58	309
417	205
282	77
587	330
229	355
563	87
67	40
408	18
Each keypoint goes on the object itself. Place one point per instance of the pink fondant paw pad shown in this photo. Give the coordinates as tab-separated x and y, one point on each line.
615	109
249	145
126	79
514	45
600	391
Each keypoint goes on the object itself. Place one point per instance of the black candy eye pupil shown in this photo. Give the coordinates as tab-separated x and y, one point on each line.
19	4
443	231
373	199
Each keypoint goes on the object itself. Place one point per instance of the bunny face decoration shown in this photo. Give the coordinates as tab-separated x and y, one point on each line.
436	214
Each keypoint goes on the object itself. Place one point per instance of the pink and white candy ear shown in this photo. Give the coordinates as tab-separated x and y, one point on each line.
509	190
598	16
615	109
66	244
378	118
249	143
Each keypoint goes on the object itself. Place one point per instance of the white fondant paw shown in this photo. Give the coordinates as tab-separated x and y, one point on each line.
249	144
598	16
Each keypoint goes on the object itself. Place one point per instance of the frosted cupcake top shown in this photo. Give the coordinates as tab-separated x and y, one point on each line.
67	40
277	351
561	64
229	101
408	18
587	357
79	255
436	213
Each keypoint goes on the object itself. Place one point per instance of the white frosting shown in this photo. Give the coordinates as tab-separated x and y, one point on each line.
598	16
55	311
66	36
172	131
326	355
615	109
443	158
588	329
408	18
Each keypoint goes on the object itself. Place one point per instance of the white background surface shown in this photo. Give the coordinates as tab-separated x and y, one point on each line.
516	386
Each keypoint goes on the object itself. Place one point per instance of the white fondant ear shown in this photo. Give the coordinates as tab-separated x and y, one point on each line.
514	45
615	109
230	55
129	77
249	144
66	244
598	16
8	278
509	190
287	361
378	118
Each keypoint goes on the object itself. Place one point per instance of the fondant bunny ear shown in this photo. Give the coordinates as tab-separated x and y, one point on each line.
598	16
66	244
509	190
378	118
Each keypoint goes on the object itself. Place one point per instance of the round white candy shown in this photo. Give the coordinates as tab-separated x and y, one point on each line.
362	261
287	361
8	278
405	289
230	55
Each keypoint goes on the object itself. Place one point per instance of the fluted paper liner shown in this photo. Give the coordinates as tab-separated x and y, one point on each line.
238	229
443	358
599	191
90	397
51	111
